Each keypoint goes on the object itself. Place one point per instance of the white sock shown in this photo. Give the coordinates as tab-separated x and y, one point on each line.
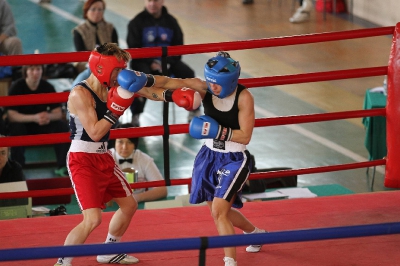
113	239
65	260
254	231
228	259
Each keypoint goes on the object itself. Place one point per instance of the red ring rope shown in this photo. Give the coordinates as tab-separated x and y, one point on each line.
51	58
252	82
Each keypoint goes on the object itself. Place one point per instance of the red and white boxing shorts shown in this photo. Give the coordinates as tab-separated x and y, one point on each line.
95	176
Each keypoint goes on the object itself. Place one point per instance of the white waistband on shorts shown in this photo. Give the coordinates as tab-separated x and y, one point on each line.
89	147
230	146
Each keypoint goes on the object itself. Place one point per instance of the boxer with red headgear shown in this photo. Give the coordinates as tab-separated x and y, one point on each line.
94	105
103	65
93	109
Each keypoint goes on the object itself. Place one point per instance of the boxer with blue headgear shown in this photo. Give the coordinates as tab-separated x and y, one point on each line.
223	163
224	71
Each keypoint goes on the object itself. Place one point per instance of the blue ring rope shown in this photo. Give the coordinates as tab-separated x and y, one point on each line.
197	243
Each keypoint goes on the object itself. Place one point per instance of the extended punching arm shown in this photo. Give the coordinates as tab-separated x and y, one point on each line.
134	81
183	97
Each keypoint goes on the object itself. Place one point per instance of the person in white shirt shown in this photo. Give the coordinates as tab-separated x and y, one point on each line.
126	155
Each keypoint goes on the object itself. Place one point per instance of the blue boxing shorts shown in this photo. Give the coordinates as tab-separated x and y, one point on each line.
220	174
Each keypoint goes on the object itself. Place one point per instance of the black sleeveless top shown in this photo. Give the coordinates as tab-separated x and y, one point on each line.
76	128
227	119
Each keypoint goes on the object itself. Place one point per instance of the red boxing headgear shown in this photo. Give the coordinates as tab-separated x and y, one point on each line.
103	65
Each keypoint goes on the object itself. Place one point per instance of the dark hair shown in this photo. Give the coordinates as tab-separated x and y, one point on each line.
88	4
133	140
8	148
24	69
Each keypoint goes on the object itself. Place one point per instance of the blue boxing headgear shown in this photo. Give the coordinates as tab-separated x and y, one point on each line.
224	71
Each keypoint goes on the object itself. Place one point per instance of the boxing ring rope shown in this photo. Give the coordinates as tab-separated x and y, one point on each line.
250	82
200	243
67	57
61	97
187	181
392	174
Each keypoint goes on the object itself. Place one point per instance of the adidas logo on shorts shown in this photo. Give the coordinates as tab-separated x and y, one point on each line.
101	149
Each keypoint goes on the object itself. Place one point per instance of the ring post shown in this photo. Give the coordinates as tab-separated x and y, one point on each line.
392	175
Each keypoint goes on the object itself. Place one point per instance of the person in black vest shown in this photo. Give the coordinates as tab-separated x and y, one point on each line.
92	32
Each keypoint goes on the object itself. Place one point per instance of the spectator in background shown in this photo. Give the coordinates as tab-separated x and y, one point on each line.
36	119
10	171
302	14
10	44
127	155
2	121
93	32
153	27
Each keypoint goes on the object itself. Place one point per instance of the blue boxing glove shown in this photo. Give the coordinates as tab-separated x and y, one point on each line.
205	127
134	81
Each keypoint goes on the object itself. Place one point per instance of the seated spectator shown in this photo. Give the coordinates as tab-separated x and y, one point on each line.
153	27
2	121
10	171
92	32
10	44
127	155
36	119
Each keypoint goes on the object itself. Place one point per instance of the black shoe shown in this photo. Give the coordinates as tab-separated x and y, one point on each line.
247	2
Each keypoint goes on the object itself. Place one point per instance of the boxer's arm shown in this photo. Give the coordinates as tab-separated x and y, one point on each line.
81	104
196	84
